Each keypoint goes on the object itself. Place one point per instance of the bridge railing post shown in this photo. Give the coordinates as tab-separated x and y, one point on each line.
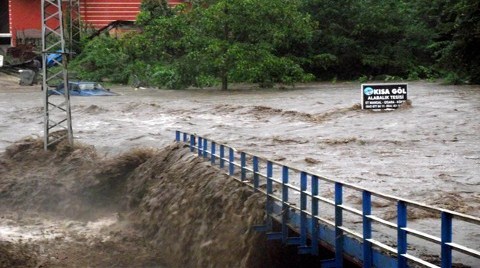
269	203
446	237
212	152
177	135
303	209
192	143
256	177
285	207
315	223
205	148
222	156
401	234
243	164
338	224
199	145
231	159
367	228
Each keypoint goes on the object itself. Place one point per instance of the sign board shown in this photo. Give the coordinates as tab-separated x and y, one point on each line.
1	60
383	96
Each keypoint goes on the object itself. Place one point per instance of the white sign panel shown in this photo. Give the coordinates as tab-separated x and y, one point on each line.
383	96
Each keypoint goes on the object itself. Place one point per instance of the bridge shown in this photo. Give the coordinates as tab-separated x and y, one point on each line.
312	213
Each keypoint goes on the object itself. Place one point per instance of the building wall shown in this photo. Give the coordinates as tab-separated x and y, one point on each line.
25	15
25	18
99	13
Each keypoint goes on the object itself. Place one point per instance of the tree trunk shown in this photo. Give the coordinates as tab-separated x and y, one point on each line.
224	81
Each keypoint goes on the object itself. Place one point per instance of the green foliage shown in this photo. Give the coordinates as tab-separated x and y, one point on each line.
215	42
421	72
223	41
375	37
454	79
152	9
325	60
458	42
363	79
102	58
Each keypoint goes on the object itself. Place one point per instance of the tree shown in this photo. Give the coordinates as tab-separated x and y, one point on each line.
103	57
152	9
221	41
457	44
371	37
229	40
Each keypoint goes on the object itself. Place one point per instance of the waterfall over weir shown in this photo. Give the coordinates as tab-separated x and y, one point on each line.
171	209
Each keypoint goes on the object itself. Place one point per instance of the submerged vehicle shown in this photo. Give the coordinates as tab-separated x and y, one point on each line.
82	88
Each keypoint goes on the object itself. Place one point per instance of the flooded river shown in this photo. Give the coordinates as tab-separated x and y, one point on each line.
433	145
427	152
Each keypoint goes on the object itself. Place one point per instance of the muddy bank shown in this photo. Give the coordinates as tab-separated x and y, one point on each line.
162	207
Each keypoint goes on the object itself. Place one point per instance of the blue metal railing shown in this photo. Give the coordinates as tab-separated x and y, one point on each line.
332	232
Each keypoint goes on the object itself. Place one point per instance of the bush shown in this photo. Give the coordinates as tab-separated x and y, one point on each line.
103	58
454	79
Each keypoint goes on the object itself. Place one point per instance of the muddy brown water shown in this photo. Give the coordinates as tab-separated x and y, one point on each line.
429	152
170	209
144	208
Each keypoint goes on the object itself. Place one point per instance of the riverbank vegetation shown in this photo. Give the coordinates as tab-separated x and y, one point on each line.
216	42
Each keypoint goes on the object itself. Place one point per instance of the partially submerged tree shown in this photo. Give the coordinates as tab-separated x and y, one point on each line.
226	40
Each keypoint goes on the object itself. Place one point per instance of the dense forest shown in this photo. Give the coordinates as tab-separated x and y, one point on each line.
217	42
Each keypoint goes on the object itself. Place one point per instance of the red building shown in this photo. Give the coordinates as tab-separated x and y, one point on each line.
20	20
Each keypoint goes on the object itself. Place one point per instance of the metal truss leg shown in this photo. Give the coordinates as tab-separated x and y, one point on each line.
57	112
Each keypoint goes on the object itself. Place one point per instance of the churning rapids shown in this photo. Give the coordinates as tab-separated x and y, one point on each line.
108	203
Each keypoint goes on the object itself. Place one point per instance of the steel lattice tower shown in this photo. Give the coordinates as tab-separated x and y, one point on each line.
55	29
73	21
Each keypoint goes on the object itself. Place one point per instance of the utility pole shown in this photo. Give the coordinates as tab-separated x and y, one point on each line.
57	112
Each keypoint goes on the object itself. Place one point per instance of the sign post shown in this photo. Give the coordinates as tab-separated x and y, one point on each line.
383	96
